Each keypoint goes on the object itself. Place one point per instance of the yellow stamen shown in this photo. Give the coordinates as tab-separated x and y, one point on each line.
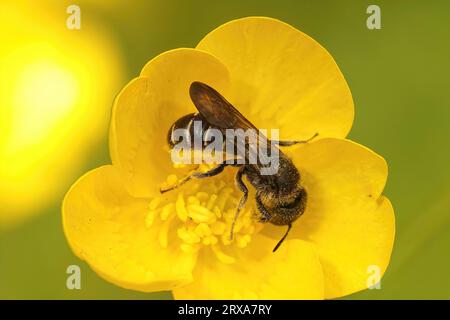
217	211
218	227
201	214
204	212
166	211
188	248
223	197
193	200
188	236
163	233
242	241
203	230
224	258
149	218
180	207
210	240
211	201
170	182
154	203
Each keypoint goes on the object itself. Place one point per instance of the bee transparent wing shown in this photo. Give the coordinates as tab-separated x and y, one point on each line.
216	109
221	114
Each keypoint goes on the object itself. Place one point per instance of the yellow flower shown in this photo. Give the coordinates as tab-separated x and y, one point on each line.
52	110
116	219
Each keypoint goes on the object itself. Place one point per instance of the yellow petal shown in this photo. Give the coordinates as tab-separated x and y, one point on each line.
108	228
347	219
293	272
281	78
149	105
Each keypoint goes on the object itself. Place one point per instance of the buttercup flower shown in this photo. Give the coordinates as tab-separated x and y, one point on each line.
116	219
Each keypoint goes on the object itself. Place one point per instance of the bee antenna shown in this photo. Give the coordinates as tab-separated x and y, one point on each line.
282	239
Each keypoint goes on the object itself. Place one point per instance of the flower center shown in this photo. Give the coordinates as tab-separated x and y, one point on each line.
202	212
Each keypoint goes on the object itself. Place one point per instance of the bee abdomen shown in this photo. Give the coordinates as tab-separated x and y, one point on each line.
189	127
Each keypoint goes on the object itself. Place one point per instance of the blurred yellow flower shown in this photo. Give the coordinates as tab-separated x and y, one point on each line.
55	93
115	218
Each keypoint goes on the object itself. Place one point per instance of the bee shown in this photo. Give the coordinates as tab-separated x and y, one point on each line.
280	197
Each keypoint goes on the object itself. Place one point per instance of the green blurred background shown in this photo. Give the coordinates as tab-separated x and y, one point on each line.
399	77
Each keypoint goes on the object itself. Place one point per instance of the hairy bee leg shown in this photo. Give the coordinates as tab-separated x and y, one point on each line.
283	238
266	215
243	200
214	171
288	143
